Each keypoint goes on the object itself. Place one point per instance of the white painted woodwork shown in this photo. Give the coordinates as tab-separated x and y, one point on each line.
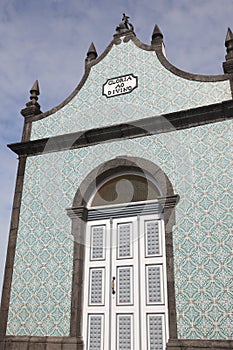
132	251
153	286
125	266
96	296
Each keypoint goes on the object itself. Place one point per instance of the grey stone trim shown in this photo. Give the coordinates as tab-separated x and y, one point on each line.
199	344
228	66
80	212
156	206
86	189
231	82
11	247
164	61
148	126
73	343
26	130
120	165
189	76
168	202
41	343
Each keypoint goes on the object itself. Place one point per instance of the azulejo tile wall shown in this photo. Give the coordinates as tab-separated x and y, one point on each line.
159	91
197	161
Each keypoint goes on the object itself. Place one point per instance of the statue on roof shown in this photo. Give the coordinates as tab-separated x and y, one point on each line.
124	25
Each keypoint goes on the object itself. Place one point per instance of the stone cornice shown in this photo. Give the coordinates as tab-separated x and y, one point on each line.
124	210
169	202
143	127
116	211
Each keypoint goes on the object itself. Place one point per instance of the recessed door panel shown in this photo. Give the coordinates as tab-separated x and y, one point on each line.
154	284
124	285
152	238
95	333
96	286
125	332
124	240
97	242
155	331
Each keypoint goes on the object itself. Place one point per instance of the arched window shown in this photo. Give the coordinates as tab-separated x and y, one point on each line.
125	188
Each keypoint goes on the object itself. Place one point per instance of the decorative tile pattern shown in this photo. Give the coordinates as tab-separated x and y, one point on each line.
159	91
198	162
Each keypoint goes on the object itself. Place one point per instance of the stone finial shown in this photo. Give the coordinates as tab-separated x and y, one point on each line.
228	65
124	25
32	107
229	44
157	36
35	91
91	53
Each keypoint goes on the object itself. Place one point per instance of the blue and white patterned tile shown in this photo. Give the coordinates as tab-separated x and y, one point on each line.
202	240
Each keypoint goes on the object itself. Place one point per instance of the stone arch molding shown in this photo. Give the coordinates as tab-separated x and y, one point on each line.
80	212
116	166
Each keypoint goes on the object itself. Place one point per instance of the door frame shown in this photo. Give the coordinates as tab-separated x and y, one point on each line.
109	218
80	214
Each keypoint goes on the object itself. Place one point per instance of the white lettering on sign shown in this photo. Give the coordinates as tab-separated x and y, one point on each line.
120	85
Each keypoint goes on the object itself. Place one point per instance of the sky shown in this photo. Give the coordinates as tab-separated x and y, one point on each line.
48	40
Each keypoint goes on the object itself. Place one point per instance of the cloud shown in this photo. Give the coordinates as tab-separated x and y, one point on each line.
48	40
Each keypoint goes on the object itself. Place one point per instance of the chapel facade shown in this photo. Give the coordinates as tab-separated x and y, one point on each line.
120	233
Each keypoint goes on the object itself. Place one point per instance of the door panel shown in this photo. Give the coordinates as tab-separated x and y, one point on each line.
96	286
153	301
125	332
95	332
154	278
124	285
152	238
156	332
125	311
97	242
124	239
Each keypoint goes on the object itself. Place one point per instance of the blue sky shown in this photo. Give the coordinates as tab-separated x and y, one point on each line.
48	40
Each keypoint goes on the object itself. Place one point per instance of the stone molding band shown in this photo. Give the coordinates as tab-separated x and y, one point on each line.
74	343
143	127
124	210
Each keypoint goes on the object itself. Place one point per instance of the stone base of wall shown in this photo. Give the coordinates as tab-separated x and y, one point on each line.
41	343
188	344
72	343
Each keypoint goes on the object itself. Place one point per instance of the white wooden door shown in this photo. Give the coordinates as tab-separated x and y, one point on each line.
97	286
153	287
125	270
125	300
